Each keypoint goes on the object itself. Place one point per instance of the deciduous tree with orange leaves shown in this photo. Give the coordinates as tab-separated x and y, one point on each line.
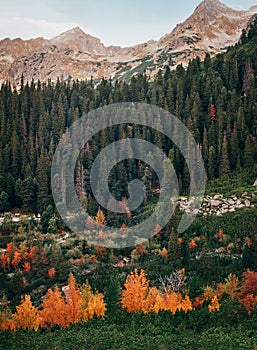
100	218
54	311
51	272
135	291
215	305
249	283
250	302
73	301
172	302
26	316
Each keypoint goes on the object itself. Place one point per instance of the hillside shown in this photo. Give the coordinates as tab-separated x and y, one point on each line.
195	289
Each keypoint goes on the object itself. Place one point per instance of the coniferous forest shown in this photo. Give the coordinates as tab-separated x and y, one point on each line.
197	289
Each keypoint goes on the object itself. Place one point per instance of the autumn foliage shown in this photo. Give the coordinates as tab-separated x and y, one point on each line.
137	295
76	303
18	257
212	112
26	316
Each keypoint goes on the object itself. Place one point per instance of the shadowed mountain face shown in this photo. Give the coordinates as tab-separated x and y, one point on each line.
76	55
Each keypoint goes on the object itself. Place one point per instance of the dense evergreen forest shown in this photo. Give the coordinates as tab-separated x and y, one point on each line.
215	99
197	290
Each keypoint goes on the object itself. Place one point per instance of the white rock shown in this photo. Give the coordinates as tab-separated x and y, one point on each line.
244	194
247	203
218	196
215	203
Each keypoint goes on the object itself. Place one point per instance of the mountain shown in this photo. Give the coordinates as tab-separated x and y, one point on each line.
76	55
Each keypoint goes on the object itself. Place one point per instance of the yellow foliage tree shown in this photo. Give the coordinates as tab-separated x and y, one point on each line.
209	293
92	305
158	305
230	287
96	307
26	316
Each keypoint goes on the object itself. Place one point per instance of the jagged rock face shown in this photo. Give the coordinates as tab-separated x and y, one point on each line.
76	55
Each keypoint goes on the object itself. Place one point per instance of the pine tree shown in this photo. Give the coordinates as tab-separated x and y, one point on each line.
224	166
174	256
112	295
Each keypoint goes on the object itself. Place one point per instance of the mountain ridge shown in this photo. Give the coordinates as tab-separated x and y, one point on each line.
74	54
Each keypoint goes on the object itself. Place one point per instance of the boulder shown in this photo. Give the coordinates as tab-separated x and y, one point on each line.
215	203
247	203
218	196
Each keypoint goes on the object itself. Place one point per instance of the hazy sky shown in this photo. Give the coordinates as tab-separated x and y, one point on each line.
117	22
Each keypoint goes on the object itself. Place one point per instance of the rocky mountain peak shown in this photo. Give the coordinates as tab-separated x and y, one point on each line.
212	2
76	39
74	54
213	8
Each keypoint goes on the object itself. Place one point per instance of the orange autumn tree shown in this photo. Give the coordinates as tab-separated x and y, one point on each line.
153	301
192	244
135	291
51	272
214	305
54	311
198	302
249	283
248	291
26	316
73	301
172	302
220	234
100	218
249	302
163	253
186	304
